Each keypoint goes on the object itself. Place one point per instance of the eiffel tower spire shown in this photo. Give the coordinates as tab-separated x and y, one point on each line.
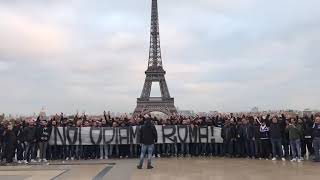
155	60
155	73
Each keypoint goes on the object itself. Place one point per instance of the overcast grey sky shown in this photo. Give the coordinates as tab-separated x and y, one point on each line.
226	55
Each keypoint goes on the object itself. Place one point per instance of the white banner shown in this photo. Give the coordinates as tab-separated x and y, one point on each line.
130	135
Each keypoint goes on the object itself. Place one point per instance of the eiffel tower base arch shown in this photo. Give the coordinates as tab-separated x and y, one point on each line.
144	107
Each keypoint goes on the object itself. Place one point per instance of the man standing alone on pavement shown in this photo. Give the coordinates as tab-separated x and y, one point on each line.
148	137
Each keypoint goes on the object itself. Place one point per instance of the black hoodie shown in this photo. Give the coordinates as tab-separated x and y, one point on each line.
148	133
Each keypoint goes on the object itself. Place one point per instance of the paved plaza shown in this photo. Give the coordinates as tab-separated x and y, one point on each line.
165	168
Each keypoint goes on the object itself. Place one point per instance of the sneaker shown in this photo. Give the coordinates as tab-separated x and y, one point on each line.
283	159
299	160
33	161
67	159
293	159
139	167
39	160
72	158
106	157
101	158
25	161
274	159
267	159
19	162
149	167
45	160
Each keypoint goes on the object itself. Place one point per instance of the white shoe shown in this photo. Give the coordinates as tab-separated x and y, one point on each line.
293	159
33	161
25	161
267	159
299	160
19	162
106	157
67	159
39	160
274	159
283	159
72	158
45	160
101	158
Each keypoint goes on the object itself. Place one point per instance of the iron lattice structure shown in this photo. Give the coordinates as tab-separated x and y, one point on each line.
155	73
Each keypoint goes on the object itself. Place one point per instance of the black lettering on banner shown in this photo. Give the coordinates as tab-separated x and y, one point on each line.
99	137
80	137
134	134
126	137
169	135
62	137
104	134
193	134
117	135
75	135
212	138
203	136
184	139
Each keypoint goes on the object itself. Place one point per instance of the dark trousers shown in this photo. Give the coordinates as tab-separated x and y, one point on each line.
250	148
219	150
316	146
231	148
277	148
240	148
286	145
306	143
29	151
20	149
194	149
9	152
124	150
265	148
70	151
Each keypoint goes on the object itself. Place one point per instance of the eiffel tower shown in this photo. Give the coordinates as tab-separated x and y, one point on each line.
155	73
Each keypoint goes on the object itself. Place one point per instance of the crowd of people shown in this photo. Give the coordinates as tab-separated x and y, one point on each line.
270	136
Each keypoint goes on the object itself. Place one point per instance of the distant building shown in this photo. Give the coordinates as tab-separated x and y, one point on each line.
213	113
307	112
255	110
202	114
186	112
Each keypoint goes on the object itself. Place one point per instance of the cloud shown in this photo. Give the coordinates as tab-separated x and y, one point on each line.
23	38
219	55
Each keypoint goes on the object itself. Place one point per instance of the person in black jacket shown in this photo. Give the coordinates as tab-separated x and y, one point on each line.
316	139
240	137
249	138
228	134
10	141
276	135
1	139
307	137
148	137
30	142
43	134
18	131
